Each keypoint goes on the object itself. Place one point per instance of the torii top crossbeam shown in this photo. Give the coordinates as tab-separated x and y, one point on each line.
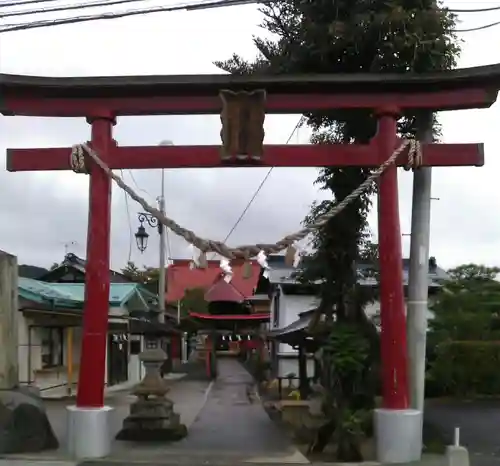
199	94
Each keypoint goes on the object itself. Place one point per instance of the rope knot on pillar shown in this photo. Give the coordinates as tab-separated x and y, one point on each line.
78	159
415	158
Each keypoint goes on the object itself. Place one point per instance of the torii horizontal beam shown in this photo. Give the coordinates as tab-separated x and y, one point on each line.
436	155
454	99
199	94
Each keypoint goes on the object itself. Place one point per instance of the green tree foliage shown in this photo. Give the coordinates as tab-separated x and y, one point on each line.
366	36
464	334
132	272
468	306
466	368
194	301
145	276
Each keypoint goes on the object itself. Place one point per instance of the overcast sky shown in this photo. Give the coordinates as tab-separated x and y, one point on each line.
45	213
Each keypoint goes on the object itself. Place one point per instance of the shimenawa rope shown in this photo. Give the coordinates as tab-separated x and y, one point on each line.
78	164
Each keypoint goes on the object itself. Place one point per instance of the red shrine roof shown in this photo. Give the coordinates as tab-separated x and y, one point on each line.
224	291
181	277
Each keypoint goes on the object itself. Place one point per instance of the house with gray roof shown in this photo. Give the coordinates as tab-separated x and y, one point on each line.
291	299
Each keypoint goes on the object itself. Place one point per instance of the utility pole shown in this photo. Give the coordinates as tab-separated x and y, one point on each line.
161	228
418	280
162	285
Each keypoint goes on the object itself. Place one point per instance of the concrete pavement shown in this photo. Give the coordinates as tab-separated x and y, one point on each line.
226	426
478	421
224	418
230	428
61	392
231	421
189	398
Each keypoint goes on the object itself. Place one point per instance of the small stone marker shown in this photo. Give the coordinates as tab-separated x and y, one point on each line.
457	455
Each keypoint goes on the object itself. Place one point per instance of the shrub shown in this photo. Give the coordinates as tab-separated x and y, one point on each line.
467	368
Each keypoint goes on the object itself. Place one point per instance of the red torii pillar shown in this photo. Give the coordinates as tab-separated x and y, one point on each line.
95	321
90	392
393	349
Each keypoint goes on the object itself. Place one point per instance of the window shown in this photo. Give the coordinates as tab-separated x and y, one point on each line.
150	343
52	346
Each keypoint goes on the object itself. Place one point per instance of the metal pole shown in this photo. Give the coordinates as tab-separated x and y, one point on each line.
418	280
161	228
162	285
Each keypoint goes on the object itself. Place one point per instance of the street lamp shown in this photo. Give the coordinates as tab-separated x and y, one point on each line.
142	236
153	411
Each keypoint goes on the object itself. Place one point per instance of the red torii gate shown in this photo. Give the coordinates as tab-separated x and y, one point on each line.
101	100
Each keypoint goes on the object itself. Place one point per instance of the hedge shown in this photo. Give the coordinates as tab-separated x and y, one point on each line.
466	368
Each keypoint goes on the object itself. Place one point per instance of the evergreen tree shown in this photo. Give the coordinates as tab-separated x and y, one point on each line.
194	301
148	276
365	36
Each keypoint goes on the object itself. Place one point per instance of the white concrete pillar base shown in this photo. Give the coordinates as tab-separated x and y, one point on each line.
398	435
457	456
89	432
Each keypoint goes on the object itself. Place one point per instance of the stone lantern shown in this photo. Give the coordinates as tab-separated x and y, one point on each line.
152	416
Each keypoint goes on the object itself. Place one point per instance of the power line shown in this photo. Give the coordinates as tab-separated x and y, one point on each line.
257	191
131	237
167	235
478	28
200	5
27	2
79	6
473	10
137	185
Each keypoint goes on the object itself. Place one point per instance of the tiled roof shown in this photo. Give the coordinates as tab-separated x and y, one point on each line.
72	261
181	277
296	326
71	293
223	291
285	275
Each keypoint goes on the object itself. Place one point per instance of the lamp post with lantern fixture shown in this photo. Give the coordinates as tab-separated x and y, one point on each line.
152	416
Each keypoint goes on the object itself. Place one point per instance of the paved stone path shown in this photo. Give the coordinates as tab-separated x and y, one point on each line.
226	427
231	420
230	428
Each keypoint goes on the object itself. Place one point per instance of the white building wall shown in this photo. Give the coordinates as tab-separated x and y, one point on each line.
373	309
290	308
23	350
30	356
30	359
135	366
